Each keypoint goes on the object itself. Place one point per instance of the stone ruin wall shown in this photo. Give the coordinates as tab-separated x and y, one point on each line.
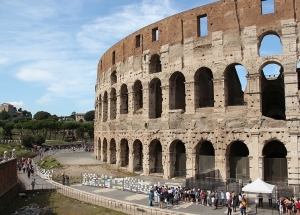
235	30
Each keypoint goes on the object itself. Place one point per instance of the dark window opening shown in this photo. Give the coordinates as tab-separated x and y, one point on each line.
155	64
177	91
155	34
202	25
267	7
235	85
113	77
238	160
155	99
272	92
204	88
137	40
138	97
124	100
113	104
114	57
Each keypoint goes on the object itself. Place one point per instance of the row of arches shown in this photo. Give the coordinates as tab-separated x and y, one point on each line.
237	158
271	88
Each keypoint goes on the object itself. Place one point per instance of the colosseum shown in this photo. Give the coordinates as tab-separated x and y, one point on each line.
170	101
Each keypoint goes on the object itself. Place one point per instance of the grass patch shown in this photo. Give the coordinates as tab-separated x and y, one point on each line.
19	150
49	163
59	204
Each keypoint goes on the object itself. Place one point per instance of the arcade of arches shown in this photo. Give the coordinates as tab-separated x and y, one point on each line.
153	158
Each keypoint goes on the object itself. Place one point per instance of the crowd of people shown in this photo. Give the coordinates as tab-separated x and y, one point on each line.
169	196
289	205
26	165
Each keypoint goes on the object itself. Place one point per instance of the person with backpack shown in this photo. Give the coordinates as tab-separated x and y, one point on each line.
161	200
197	196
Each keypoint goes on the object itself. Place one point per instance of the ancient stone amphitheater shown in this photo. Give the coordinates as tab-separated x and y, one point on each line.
170	101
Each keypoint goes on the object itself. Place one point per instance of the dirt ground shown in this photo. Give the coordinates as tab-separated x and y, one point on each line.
76	164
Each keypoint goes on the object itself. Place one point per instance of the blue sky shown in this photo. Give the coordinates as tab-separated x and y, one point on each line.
49	50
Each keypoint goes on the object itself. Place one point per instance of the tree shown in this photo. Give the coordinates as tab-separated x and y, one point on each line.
4	115
7	129
80	132
39	139
26	113
27	140
40	115
89	116
55	117
89	128
73	115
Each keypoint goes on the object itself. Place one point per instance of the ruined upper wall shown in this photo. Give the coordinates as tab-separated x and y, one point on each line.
228	16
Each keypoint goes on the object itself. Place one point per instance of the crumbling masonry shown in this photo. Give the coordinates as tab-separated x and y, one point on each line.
169	99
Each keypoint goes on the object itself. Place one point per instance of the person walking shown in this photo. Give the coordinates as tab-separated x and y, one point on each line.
151	196
33	183
229	208
260	200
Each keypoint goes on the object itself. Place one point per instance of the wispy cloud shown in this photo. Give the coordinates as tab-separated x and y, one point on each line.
17	104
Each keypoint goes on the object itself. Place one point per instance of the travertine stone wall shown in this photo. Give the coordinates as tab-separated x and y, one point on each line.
230	120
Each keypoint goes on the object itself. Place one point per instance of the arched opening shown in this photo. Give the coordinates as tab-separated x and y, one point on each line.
155	99
155	157
124	153
138	155
272	92
138	97
155	64
177	91
204	88
104	150
178	158
205	157
298	75
235	83
113	104
98	149
113	78
105	106
275	162
239	160
124	100
113	151
270	45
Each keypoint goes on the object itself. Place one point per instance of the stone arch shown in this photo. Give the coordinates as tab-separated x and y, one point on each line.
272	92
105	107
237	154
124	99
104	150
204	88
112	151
137	97
178	158
155	99
234	94
137	155
155	64
113	77
155	157
113	104
205	160
275	161
267	38
124	152
177	91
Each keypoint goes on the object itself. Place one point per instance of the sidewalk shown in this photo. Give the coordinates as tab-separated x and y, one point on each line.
136	199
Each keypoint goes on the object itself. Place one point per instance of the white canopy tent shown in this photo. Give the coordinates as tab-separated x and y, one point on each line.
258	186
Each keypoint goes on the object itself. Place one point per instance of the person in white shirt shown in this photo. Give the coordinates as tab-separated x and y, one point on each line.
227	196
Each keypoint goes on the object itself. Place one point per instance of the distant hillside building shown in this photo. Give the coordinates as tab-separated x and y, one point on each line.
10	109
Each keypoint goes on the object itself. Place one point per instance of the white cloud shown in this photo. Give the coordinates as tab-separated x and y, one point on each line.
18	104
103	32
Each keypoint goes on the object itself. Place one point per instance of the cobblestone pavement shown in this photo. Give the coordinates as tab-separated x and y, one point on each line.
142	199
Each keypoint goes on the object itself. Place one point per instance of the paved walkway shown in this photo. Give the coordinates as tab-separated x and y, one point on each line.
141	199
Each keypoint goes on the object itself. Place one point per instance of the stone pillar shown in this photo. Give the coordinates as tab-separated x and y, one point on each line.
219	97
131	157
190	163
291	92
190	97
254	149
293	162
5	156
145	100
118	107
166	100
167	165
253	95
13	154
130	102
146	157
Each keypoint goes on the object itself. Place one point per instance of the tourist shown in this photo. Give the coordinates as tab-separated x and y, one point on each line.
213	199
227	195
151	195
298	206
270	197
229	209
243	206
235	203
222	198
33	183
260	200
161	200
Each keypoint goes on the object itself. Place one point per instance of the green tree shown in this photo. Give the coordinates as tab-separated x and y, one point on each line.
55	117
39	139
27	140
89	116
7	129
40	115
26	113
73	115
89	128
4	115
80	132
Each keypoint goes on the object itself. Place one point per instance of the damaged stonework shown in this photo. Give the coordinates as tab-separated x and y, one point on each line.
174	105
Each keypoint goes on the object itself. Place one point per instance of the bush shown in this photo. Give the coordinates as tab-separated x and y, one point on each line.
27	140
39	139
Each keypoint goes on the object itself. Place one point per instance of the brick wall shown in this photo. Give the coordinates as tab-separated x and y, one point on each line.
8	176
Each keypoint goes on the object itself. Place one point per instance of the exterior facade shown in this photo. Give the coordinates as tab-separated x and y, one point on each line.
79	116
10	109
169	99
